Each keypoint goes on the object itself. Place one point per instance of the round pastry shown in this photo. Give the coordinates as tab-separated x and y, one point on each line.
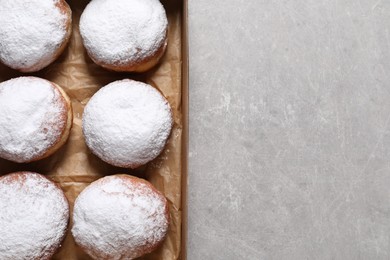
35	119
127	123
120	217
33	33
33	217
124	35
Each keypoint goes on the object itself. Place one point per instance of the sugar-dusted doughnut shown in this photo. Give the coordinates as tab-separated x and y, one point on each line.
125	35
120	217
127	123
35	119
34	216
33	33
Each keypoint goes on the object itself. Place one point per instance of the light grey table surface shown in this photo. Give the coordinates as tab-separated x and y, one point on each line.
289	129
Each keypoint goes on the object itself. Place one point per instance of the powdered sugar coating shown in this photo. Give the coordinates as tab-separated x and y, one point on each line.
33	217
118	32
33	116
127	123
31	32
119	217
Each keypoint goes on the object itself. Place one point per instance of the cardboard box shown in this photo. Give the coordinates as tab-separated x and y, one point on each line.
73	167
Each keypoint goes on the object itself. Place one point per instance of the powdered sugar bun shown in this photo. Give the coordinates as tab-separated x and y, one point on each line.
120	217
33	217
35	119
127	123
124	35
33	33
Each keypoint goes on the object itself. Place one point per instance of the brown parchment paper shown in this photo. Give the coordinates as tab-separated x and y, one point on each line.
73	167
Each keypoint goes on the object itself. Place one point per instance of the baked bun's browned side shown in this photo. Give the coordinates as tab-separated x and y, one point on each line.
130	218
34	214
125	35
67	116
65	9
141	65
35	119
34	47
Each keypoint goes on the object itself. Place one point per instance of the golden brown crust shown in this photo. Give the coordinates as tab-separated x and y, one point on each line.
135	66
63	5
66	117
66	130
136	182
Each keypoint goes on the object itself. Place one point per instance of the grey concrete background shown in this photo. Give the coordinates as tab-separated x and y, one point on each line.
289	129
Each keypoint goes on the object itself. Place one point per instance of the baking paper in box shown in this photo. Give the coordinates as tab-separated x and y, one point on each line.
73	167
